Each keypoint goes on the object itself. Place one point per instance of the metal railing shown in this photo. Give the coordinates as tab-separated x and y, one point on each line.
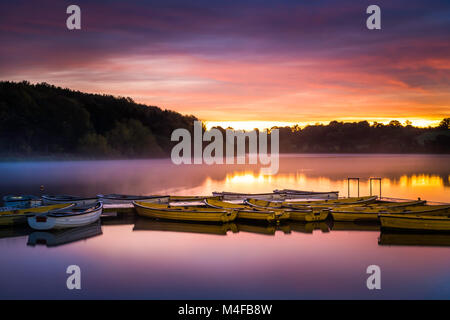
348	185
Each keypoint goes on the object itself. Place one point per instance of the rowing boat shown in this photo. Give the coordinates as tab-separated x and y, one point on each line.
309	215
64	236
128	199
15	216
74	216
413	222
241	196
184	213
218	204
298	194
79	201
313	203
371	213
278	195
246	211
398	204
192	198
263	215
21	201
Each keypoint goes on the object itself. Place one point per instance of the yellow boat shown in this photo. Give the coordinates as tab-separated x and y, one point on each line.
415	222
192	198
371	213
263	215
218	204
308	215
312	203
248	212
183	213
260	213
397	204
14	216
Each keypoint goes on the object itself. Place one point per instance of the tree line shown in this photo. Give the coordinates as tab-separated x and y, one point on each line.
44	120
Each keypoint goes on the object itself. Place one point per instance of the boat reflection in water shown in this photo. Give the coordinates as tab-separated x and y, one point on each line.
64	236
118	219
143	224
414	239
355	226
18	231
190	227
309	227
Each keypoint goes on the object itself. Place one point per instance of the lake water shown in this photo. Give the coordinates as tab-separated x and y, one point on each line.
129	257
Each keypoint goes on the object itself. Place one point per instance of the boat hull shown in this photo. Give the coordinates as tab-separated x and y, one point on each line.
415	222
268	216
61	221
309	216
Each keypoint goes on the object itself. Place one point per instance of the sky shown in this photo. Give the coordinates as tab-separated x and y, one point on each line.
241	62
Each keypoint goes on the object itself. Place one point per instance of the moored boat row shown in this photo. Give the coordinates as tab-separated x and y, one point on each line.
65	211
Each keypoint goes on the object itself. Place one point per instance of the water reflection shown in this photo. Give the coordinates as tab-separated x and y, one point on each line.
57	238
14	232
414	239
143	224
355	226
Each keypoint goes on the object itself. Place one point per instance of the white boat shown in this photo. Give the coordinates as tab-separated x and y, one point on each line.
75	216
242	196
128	199
301	194
278	195
79	201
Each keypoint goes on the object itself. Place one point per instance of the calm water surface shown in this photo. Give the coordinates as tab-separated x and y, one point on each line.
127	257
